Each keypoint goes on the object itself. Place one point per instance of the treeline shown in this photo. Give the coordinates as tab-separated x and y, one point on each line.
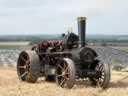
89	38
31	38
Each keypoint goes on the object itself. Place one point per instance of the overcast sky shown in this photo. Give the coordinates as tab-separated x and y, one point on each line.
55	16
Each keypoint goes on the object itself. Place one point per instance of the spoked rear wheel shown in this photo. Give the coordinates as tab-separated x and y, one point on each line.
28	66
65	73
104	79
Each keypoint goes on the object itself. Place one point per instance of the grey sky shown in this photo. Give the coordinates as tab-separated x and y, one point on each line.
55	16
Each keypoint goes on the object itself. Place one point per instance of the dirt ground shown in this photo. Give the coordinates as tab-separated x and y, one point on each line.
11	86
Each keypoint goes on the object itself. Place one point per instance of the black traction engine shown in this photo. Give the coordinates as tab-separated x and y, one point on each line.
64	61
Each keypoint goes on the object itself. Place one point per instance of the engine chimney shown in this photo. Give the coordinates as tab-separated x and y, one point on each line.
81	30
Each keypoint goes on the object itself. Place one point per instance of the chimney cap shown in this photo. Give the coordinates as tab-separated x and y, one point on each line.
81	18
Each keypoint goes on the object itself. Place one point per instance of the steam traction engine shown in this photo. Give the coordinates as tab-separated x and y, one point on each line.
64	61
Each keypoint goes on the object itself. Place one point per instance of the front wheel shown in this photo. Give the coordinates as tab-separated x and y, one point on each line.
104	79
65	73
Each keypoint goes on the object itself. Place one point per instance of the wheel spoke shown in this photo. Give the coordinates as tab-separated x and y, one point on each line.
60	75
60	66
99	83
65	65
25	73
62	82
67	74
22	58
101	67
66	77
66	70
22	67
103	73
101	77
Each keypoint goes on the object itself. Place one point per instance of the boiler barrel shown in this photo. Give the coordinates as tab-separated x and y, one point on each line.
82	30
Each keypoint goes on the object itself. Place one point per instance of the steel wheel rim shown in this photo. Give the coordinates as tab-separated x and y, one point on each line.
100	80
62	74
23	65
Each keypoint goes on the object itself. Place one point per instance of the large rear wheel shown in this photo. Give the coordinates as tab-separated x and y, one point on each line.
65	73
28	66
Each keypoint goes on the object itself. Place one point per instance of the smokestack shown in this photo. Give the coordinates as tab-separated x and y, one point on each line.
81	30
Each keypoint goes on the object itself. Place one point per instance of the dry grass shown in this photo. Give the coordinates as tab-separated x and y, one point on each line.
11	86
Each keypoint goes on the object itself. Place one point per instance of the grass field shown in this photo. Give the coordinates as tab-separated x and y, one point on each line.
11	86
9	54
